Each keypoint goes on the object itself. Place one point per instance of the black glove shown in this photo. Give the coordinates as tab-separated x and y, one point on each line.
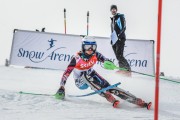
60	94
109	61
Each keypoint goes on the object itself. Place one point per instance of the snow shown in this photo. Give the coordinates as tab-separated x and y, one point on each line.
27	107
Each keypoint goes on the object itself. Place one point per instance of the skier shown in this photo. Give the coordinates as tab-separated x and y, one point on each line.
85	76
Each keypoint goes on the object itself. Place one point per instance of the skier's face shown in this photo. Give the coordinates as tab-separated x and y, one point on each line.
113	11
89	51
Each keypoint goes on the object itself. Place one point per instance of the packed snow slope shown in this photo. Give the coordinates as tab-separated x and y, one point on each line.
15	106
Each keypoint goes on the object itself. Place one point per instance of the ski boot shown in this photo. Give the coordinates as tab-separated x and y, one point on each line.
148	105
141	103
60	94
116	104
111	99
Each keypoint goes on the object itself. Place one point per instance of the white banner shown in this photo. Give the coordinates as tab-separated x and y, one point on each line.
54	51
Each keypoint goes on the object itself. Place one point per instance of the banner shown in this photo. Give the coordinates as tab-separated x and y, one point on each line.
54	51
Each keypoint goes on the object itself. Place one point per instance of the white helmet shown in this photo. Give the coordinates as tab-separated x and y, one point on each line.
89	43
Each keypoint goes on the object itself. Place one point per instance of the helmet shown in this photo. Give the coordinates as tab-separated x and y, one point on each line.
113	7
89	43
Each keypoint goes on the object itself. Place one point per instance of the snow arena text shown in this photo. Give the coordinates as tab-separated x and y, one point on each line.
37	57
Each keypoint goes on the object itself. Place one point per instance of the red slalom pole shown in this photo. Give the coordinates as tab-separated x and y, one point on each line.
87	23
64	20
158	60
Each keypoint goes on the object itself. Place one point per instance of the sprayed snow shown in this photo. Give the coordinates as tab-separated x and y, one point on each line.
27	107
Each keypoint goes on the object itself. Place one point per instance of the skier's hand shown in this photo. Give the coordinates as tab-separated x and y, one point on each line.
60	94
61	90
109	65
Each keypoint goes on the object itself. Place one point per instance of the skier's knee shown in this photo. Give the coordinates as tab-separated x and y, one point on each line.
81	84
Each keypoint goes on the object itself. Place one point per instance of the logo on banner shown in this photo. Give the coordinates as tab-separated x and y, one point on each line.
136	63
51	43
40	56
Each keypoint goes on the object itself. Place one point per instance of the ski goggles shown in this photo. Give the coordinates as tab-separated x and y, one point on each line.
90	47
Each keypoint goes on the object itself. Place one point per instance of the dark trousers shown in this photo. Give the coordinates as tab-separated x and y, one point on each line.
95	81
118	49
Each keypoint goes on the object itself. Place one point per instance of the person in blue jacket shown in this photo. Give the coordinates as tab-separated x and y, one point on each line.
118	37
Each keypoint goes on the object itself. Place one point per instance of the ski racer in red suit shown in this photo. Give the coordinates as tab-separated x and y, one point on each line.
85	76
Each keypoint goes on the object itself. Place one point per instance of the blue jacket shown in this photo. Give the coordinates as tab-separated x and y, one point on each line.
118	23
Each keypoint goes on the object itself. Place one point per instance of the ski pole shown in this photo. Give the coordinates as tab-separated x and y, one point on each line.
21	92
87	23
110	66
64	20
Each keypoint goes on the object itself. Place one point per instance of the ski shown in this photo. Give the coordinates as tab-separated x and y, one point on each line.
96	92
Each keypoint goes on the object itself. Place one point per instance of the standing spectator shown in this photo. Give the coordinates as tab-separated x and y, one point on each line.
118	37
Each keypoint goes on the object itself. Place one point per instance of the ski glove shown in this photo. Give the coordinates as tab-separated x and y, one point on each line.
109	65
60	94
109	61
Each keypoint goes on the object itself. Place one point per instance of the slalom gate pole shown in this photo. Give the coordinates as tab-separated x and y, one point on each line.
87	23
64	20
156	110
